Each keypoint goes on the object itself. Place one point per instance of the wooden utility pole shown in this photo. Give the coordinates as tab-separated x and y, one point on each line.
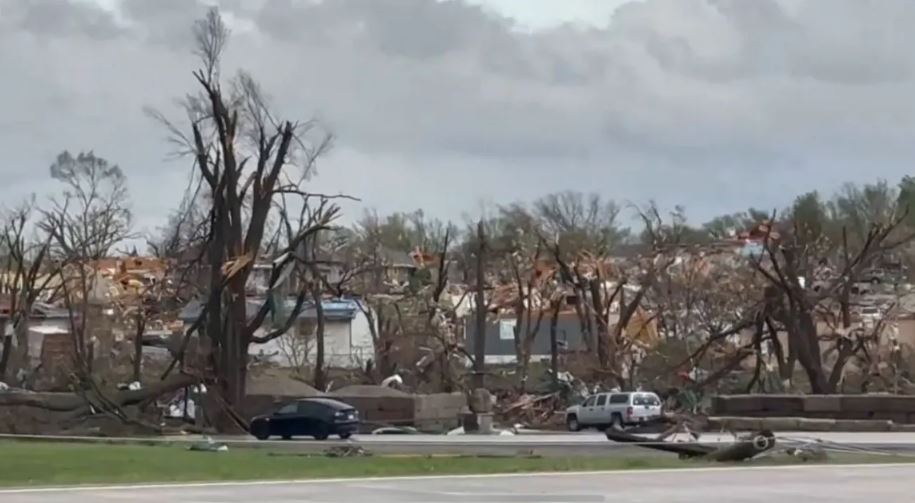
479	340
554	343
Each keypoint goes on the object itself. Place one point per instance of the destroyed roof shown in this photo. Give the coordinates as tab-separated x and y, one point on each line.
40	311
388	257
397	258
334	309
629	251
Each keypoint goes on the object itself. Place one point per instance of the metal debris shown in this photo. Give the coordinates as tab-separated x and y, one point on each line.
742	449
808	453
395	430
208	445
346	451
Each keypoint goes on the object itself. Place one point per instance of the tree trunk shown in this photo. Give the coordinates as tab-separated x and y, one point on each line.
603	329
237	363
320	376
520	360
65	402
804	337
232	355
554	343
373	317
138	347
784	371
7	349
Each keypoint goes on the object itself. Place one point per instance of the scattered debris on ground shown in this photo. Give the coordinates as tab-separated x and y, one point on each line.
395	430
347	451
533	410
808	453
208	445
460	431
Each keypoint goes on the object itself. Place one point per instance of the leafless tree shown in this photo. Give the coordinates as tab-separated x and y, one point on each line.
799	289
92	216
81	228
25	281
84	225
579	222
247	159
531	298
296	348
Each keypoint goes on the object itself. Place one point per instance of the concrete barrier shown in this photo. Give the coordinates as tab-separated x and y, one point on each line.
879	407
801	424
438	412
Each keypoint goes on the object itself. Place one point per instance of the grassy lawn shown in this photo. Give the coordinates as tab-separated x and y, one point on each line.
42	464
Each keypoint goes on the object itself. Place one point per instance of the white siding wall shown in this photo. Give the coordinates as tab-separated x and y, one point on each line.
347	344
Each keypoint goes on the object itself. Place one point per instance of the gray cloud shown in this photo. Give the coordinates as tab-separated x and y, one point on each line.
715	104
57	19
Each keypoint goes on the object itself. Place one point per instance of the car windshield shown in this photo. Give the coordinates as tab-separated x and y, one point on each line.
645	400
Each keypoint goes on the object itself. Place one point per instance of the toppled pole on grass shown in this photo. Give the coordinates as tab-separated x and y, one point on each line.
743	449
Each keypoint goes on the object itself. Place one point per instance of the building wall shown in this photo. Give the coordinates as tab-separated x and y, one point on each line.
500	343
347	343
37	331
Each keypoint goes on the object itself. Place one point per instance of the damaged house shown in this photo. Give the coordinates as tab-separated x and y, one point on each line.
348	339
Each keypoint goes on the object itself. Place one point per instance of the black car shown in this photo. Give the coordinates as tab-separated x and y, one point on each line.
308	417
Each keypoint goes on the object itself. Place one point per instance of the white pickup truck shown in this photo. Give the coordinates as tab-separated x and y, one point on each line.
616	408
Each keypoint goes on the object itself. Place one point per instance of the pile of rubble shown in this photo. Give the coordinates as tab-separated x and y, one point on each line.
534	411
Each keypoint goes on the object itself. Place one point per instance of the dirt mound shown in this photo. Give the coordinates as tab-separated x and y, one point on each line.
369	391
279	383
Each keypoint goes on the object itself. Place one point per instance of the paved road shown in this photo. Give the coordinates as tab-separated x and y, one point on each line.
832	484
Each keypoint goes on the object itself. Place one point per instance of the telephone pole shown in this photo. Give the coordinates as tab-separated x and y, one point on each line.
479	340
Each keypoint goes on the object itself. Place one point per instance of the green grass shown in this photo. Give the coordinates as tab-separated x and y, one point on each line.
46	464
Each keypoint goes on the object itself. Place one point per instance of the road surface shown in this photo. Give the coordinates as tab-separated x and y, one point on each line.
808	484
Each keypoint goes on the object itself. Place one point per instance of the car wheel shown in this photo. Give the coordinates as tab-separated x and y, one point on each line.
345	435
260	431
321	433
287	437
616	422
573	424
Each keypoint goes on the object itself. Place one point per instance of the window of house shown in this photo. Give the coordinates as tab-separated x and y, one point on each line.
507	330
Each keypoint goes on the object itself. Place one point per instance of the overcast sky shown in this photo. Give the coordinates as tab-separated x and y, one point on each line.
713	104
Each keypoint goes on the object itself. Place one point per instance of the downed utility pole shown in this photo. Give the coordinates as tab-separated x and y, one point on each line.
743	449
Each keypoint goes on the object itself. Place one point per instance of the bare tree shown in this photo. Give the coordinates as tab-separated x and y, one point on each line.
83	226
93	215
296	348
529	305
247	159
811	263
580	222
24	282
